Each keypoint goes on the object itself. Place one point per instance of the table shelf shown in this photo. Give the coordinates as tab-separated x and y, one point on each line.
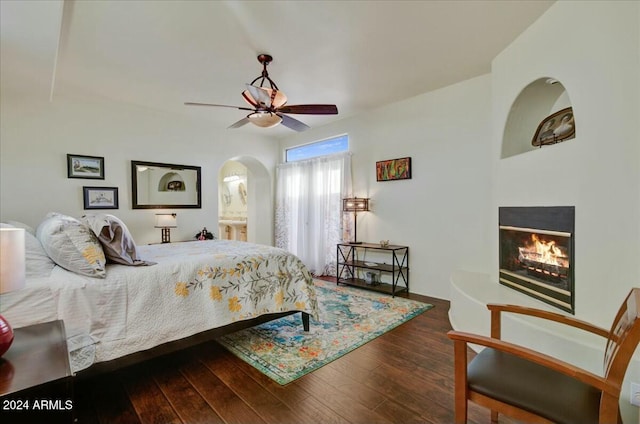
349	265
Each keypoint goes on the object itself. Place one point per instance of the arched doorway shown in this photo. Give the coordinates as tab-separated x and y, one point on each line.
245	206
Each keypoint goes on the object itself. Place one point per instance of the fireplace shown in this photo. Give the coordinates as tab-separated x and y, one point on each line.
537	251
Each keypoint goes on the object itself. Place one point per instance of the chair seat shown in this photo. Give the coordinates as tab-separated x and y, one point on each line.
533	387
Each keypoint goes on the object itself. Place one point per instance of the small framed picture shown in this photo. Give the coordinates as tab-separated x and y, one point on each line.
393	169
85	167
100	197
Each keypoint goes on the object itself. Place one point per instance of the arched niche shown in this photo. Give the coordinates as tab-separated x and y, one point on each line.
538	100
171	181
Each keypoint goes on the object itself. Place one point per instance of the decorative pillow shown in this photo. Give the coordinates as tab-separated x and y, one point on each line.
72	245
37	263
117	242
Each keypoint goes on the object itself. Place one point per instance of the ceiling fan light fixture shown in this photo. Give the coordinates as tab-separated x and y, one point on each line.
278	98
268	104
264	119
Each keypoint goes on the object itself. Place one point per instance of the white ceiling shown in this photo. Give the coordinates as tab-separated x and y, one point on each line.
159	54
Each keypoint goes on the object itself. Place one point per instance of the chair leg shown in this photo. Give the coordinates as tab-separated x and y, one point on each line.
494	417
460	381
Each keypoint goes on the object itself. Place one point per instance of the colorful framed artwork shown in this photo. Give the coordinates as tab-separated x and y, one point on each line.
79	166
393	169
100	197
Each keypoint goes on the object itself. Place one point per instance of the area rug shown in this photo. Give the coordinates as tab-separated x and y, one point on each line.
349	318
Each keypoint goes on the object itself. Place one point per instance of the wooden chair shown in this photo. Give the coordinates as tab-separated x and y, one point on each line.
537	388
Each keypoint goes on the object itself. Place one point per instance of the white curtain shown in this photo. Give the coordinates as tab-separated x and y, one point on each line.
309	209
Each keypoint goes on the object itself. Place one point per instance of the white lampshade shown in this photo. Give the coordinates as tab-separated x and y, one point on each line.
166	220
12	259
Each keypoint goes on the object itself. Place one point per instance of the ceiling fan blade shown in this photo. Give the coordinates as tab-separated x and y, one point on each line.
260	95
211	104
293	123
310	109
240	123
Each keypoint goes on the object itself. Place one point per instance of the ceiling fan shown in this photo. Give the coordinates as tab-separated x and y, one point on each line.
268	104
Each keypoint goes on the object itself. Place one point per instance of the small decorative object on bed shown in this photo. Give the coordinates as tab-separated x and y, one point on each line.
393	169
205	235
555	128
163	186
100	197
79	166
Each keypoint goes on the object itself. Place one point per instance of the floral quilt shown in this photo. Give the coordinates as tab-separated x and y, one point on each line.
193	287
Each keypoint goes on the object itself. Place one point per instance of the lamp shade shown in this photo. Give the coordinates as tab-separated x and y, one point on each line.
12	259
355	204
166	220
12	274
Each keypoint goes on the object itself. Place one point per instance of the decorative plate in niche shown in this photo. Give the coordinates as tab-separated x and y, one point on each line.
555	128
242	191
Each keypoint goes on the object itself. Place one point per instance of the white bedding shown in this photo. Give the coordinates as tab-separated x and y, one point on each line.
195	286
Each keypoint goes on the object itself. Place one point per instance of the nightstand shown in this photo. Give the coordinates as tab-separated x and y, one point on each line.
35	376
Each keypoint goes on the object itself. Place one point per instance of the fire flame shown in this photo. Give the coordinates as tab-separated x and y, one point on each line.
546	252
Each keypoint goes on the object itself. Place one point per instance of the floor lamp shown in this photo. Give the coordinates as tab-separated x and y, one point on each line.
355	205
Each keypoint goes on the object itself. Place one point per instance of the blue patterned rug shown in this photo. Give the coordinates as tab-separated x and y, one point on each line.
349	318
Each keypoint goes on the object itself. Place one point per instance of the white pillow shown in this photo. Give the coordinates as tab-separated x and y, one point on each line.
72	245
117	242
37	262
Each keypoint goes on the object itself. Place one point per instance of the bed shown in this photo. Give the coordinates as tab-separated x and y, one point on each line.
175	295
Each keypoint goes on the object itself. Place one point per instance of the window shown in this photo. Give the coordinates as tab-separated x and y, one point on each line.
319	148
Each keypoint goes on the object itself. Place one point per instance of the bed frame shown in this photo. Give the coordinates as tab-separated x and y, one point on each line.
169	347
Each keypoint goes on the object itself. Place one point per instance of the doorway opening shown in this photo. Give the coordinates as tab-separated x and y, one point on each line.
245	201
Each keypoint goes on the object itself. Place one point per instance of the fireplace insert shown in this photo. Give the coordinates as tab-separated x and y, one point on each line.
537	253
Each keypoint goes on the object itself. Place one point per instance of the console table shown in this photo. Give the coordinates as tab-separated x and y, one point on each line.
394	263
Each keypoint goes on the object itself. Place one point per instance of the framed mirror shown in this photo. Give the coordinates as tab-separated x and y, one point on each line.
165	186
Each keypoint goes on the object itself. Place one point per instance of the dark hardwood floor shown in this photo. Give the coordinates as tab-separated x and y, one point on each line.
403	376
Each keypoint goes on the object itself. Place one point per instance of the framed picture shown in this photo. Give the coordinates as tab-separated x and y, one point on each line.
100	197
85	167
393	169
555	128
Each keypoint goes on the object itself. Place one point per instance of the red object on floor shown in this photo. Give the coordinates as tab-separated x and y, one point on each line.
6	335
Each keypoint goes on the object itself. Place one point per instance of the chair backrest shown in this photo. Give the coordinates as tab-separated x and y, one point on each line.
623	338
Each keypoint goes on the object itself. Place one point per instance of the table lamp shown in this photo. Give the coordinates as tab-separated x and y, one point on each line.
355	205
166	221
12	274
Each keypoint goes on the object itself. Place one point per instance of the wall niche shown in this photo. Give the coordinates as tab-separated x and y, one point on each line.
537	101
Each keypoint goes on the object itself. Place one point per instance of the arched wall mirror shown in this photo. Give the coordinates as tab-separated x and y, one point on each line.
163	185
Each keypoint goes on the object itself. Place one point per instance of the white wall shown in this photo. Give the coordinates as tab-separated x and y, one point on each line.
598	172
441	212
36	135
592	48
